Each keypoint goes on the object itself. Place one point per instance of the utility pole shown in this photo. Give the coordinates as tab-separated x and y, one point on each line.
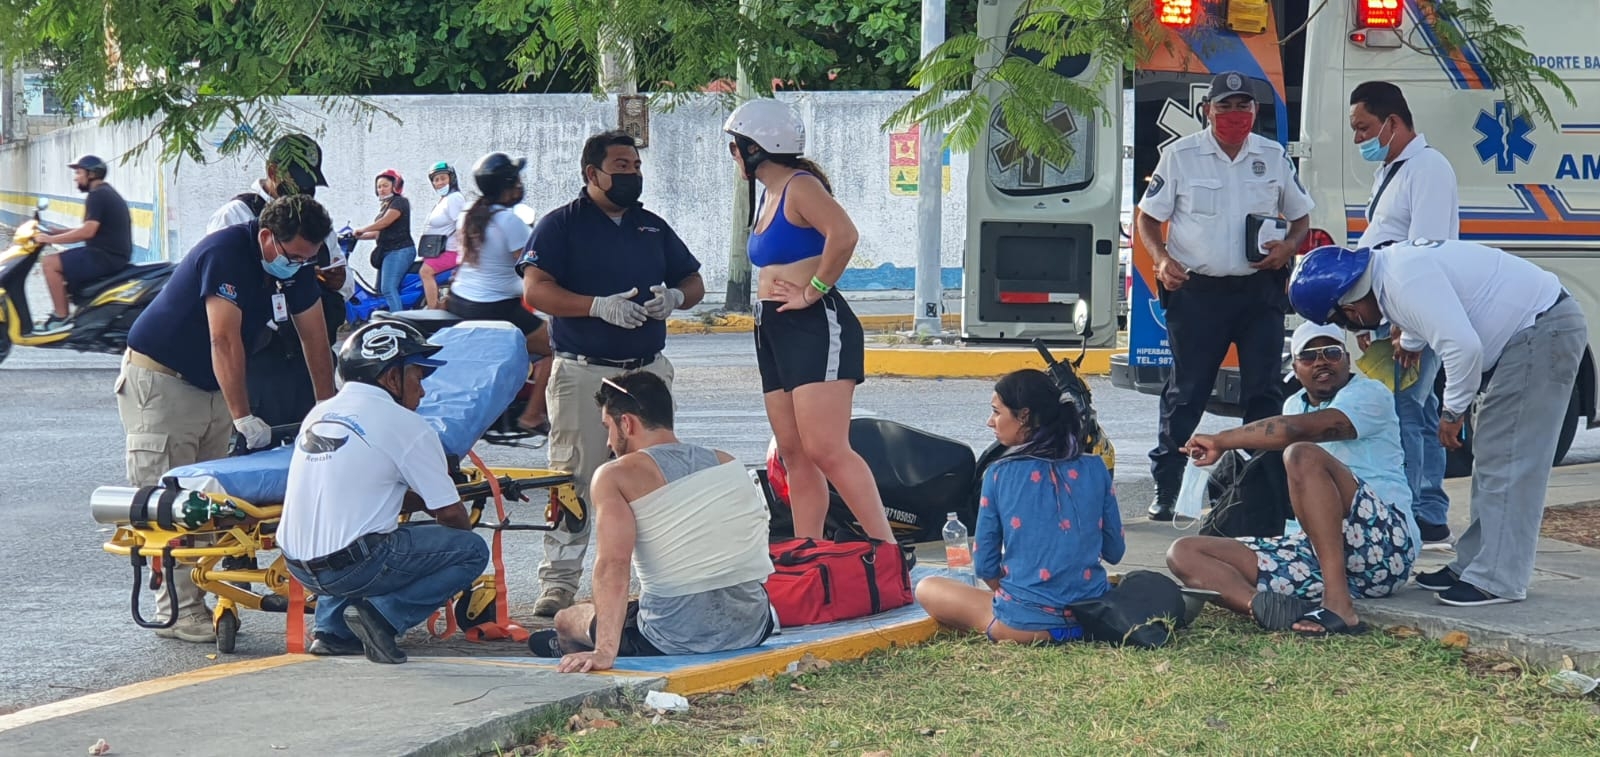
930	195
737	297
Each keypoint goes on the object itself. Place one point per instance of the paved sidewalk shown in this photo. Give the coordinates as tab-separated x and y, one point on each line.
291	704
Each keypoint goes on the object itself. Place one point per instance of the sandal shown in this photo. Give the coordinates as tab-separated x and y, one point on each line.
1278	612
1332	624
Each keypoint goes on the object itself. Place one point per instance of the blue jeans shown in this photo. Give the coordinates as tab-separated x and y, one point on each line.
406	577
393	274
1418	408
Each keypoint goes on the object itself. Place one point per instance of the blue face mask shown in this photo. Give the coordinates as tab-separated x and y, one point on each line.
1373	150
280	267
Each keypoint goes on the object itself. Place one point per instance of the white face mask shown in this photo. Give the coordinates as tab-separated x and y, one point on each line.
444	190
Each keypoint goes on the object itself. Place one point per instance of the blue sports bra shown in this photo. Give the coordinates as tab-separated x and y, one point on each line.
783	242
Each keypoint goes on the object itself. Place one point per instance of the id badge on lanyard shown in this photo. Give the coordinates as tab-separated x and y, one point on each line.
280	308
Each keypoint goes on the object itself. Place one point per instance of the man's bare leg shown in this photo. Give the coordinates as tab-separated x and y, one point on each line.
1213	563
572	628
56	280
1321	490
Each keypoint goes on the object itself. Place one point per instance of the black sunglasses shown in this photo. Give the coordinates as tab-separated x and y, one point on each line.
1331	353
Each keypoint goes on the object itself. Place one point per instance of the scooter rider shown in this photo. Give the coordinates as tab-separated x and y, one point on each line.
107	236
1487	313
339	533
182	387
593	266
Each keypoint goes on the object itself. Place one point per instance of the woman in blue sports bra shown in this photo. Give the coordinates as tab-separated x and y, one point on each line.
809	345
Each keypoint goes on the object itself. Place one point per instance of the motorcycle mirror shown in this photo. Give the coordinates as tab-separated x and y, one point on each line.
44	203
1080	318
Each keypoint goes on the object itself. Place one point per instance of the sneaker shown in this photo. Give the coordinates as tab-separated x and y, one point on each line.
1439	580
1435	537
1161	510
329	645
544	644
552	601
1464	594
375	633
195	629
55	324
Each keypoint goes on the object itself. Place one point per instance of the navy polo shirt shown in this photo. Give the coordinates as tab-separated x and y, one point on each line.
174	330
588	252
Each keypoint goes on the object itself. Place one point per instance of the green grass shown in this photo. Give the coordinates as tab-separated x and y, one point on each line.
1225	688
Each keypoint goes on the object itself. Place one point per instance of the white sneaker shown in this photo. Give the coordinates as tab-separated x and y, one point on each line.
195	629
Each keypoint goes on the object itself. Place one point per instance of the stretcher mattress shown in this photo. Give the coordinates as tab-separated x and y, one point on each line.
486	364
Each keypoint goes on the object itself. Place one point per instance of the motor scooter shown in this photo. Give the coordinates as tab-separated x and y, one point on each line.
367	298
105	307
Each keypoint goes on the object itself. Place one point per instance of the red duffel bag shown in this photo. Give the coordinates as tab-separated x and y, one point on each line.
818	581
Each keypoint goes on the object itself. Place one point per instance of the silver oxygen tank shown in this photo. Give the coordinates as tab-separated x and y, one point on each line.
117	505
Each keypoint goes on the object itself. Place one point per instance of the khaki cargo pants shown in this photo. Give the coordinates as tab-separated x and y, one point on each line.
578	445
170	422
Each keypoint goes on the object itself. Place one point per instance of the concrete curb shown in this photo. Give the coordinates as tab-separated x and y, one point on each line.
738	323
975	363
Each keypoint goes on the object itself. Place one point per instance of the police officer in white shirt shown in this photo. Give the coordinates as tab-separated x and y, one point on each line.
1488	314
361	459
1413	197
1207	185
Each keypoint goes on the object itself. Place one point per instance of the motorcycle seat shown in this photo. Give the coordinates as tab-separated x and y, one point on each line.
95	287
429	322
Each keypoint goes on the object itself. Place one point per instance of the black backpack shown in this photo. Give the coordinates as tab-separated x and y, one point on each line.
1247	498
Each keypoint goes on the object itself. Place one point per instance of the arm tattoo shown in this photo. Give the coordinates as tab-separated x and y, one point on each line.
1341	430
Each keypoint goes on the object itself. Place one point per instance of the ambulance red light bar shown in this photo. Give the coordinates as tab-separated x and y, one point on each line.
1178	14
1037	298
1378	14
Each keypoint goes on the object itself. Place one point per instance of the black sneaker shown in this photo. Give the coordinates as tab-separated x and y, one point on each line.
55	324
1438	580
328	645
544	644
1434	536
1161	509
377	636
1464	594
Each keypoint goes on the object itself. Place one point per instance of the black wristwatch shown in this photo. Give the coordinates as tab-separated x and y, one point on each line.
1450	416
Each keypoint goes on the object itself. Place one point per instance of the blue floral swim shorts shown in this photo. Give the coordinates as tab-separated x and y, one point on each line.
1377	549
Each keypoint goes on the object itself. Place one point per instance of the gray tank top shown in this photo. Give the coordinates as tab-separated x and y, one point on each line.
736	617
678	460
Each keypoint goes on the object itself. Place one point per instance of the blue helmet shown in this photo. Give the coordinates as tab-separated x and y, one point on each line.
1328	277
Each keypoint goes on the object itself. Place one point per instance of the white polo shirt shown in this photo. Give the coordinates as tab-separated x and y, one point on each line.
354	459
1206	196
1464	300
1421	201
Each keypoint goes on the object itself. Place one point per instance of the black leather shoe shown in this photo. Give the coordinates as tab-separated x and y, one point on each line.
328	645
377	636
1161	510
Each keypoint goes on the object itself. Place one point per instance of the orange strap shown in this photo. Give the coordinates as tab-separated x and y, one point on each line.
295	633
502	627
446	614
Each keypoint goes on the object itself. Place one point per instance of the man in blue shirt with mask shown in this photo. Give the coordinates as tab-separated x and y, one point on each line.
182	387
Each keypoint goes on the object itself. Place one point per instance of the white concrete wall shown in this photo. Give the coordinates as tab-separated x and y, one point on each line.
688	172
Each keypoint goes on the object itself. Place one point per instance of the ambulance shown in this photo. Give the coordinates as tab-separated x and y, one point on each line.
1527	186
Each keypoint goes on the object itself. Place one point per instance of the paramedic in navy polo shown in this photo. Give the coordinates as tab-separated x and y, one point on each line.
609	273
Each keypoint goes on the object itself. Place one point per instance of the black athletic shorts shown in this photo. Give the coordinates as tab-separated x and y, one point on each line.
510	310
633	643
823	342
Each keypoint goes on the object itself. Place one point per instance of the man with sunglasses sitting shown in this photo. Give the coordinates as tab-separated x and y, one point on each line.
182	390
692	525
1340	438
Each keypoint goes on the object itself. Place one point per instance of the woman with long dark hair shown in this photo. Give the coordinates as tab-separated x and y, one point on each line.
1047	517
810	347
396	250
486	285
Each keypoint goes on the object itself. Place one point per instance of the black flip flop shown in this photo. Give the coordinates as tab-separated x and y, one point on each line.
1278	612
1332	624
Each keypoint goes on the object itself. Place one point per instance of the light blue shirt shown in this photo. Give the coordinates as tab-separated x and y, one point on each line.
1375	455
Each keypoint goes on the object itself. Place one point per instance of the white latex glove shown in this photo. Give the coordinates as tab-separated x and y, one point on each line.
257	434
665	301
619	310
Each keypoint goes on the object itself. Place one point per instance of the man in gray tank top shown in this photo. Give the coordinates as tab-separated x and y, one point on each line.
688	520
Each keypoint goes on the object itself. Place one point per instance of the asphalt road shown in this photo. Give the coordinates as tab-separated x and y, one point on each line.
66	604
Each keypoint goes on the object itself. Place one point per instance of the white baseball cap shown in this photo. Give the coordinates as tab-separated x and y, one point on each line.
1309	332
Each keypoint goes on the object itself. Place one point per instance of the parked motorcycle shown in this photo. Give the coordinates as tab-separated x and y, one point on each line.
368	299
105	307
922	476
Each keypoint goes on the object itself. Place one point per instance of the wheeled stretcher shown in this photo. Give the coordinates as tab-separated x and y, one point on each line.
215	519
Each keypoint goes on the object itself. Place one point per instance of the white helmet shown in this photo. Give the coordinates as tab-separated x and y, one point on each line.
770	125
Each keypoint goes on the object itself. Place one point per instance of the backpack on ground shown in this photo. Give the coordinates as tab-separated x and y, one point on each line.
1247	497
1142	610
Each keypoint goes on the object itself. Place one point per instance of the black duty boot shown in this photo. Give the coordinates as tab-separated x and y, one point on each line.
1162	509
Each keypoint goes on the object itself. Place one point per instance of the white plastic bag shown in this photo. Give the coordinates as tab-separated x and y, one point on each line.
1192	494
667	701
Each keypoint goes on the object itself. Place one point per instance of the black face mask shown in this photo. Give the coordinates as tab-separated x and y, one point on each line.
625	189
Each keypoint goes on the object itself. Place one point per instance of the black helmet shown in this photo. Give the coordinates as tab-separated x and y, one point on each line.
381	345
497	172
91	164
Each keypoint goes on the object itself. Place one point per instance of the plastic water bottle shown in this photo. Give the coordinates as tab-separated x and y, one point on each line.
957	549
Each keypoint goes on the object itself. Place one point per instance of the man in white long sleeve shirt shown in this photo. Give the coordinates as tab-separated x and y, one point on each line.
1413	197
1499	322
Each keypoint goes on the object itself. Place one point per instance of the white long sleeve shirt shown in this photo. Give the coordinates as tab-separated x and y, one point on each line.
1462	299
1421	201
235	212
